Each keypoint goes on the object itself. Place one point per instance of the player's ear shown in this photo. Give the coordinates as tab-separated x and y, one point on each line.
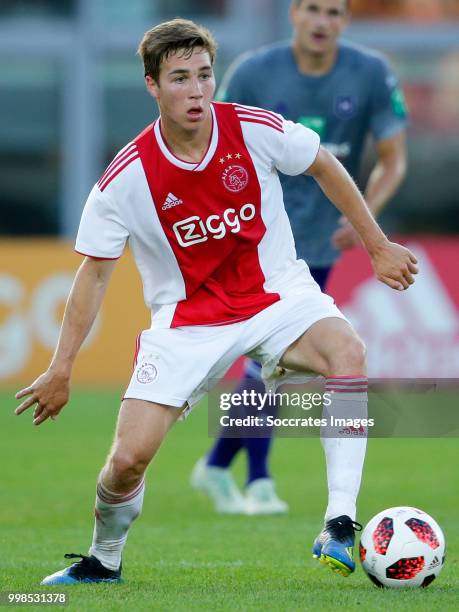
292	12
347	14
152	86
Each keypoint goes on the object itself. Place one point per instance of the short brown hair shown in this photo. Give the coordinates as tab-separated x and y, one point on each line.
169	37
299	2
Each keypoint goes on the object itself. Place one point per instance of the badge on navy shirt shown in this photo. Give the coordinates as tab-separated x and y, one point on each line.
345	107
281	108
316	124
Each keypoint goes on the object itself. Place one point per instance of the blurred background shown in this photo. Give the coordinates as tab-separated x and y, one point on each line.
72	94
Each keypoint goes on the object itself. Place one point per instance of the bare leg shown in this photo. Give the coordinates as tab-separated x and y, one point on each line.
332	348
141	428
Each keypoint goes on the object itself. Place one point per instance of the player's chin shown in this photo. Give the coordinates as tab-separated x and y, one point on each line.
320	45
194	119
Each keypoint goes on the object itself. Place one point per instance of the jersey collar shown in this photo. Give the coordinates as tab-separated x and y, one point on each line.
180	163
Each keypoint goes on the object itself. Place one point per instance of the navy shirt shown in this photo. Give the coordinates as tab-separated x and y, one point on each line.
357	97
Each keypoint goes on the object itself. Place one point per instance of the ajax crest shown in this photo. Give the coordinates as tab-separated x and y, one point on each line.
235	178
146	373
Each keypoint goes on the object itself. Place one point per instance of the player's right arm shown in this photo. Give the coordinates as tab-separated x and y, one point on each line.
102	236
50	392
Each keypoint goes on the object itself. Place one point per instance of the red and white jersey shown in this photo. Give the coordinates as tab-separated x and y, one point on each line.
211	240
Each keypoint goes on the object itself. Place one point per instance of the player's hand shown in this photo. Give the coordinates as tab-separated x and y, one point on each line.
48	393
394	265
345	237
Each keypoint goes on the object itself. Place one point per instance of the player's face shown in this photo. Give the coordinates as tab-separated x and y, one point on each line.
318	23
185	89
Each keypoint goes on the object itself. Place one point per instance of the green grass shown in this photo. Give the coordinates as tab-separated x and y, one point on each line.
182	556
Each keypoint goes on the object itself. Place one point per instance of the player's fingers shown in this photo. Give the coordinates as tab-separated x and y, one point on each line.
26	404
39	420
23	392
413	258
404	281
38	410
393	284
408	277
336	240
343	239
412	268
41	417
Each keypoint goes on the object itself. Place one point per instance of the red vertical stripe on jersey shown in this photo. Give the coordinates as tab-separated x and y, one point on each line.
215	244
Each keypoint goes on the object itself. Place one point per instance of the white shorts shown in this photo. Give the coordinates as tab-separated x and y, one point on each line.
177	366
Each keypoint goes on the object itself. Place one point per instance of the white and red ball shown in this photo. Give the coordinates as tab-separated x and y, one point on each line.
402	547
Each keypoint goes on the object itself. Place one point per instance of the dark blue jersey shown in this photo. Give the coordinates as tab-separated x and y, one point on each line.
357	97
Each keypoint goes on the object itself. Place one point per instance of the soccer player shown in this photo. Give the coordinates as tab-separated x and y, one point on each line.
344	92
198	196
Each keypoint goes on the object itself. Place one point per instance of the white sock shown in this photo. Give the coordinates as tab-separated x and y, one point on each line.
114	515
344	446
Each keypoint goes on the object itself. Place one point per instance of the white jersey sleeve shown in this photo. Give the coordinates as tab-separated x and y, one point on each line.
102	232
297	149
290	147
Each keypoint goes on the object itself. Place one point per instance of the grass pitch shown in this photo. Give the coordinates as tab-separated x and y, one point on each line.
180	554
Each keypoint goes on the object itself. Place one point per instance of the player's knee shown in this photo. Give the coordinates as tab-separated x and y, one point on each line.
127	467
349	358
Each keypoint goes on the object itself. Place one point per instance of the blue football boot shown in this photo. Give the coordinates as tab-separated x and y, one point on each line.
334	546
88	570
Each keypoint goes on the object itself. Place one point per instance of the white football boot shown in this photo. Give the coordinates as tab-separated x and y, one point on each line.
261	498
218	484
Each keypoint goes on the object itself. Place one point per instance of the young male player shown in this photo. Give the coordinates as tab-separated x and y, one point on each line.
198	196
344	92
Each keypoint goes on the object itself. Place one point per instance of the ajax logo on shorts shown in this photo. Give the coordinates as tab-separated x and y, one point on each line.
194	229
146	373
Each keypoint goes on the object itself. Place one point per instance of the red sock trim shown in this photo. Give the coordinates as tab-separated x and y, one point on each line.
347	384
108	498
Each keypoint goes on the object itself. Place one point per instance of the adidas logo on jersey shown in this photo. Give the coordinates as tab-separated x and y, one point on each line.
171	201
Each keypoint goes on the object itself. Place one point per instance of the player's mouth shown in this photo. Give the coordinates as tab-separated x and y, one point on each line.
195	114
319	37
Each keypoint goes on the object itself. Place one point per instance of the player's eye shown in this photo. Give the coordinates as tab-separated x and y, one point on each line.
334	13
179	79
312	8
205	76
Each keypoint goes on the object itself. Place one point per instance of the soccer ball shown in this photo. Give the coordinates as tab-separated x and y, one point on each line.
402	547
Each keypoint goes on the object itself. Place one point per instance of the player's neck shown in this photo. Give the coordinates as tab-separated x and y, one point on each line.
188	145
314	63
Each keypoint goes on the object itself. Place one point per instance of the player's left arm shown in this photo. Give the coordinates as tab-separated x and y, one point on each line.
393	264
383	182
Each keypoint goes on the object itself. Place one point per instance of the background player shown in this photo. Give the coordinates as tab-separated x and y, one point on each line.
344	92
207	310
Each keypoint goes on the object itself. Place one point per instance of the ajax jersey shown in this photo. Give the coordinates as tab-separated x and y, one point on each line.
211	240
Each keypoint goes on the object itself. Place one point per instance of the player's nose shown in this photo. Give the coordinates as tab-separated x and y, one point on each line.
322	21
195	89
